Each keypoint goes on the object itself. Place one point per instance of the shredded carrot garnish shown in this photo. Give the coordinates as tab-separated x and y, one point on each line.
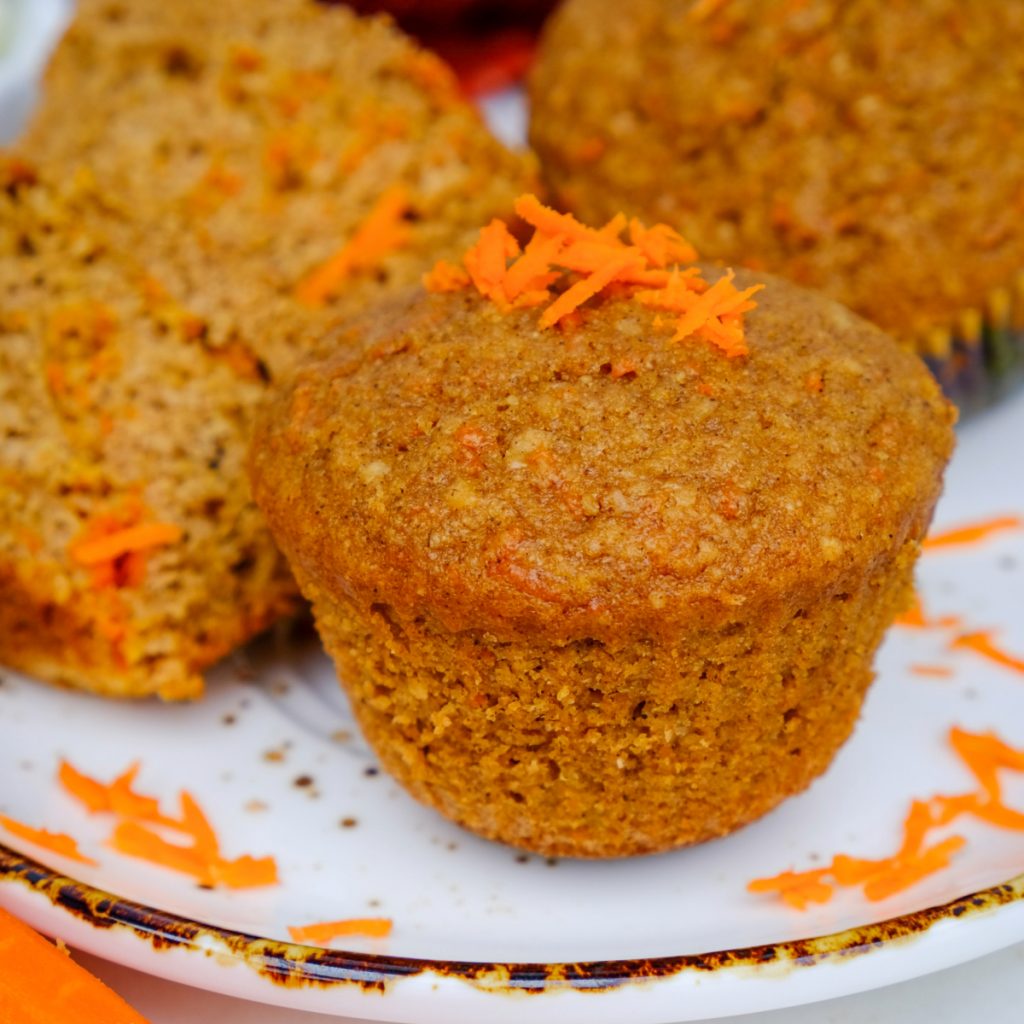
200	858
55	842
983	644
380	234
932	671
88	791
117	798
550	222
702	10
661	245
445	277
798	889
323	932
906	872
974	533
486	261
574	297
915	617
135	840
566	264
123	542
985	755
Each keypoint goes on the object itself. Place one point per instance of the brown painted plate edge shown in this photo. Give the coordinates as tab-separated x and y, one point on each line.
293	965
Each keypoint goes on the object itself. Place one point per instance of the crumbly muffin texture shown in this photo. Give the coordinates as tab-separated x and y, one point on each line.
873	150
261	137
595	592
117	414
230	177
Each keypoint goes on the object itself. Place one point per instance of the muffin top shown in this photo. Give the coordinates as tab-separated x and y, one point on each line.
600	476
873	150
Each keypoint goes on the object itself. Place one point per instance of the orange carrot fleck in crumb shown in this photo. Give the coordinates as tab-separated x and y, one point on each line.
815	383
246	58
30	538
55	842
983	644
381	233
429	71
589	149
974	533
56	379
622	368
88	552
323	932
216	185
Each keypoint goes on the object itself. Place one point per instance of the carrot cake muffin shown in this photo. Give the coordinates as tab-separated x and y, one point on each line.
602	548
872	150
233	176
278	160
131	555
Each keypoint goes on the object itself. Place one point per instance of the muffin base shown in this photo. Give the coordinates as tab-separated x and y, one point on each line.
583	750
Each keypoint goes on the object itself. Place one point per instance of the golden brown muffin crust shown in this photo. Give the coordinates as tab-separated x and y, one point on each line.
874	150
470	466
594	592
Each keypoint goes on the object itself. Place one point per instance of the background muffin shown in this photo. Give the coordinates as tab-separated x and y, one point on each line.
872	150
219	181
595	591
320	157
131	555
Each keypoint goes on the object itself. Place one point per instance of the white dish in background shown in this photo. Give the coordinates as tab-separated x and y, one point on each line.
28	30
268	734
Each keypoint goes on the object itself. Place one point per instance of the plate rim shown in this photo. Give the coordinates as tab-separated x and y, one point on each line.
290	963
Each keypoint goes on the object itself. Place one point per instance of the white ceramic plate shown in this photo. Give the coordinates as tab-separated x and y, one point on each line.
273	757
482	933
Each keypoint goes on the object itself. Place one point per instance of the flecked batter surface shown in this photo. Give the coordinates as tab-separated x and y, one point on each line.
116	414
